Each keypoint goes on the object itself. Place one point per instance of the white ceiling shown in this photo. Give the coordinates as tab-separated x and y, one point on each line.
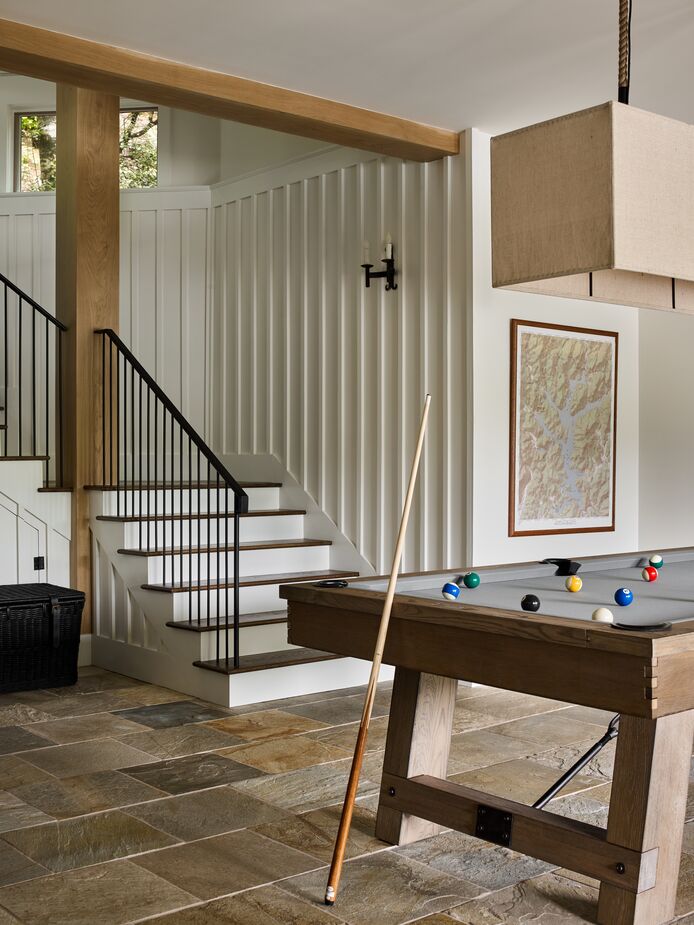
493	64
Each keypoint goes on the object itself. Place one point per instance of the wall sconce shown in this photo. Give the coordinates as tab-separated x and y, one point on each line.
389	259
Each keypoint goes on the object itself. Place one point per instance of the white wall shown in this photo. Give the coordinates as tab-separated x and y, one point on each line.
330	377
490	317
247	148
666	400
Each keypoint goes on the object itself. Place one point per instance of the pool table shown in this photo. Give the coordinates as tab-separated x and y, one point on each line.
643	673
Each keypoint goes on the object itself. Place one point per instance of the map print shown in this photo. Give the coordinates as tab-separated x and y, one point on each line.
564	430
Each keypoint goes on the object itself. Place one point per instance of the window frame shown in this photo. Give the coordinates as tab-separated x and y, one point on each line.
17	142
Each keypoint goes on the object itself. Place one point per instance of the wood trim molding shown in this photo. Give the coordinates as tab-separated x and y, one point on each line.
63	58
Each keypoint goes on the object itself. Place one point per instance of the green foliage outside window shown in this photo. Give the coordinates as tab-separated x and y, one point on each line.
138	150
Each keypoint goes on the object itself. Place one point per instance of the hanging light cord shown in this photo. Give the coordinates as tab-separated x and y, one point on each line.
624	50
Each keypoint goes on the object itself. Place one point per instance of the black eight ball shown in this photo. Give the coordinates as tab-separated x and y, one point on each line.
530	602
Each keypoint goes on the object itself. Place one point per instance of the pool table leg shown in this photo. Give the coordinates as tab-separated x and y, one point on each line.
647	809
418	742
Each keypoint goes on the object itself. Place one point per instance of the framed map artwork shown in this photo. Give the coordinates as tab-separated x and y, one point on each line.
563	429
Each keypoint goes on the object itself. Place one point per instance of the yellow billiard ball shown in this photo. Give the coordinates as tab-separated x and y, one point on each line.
573	583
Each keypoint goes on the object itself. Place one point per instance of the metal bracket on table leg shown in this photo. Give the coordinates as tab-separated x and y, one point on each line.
494	825
612	733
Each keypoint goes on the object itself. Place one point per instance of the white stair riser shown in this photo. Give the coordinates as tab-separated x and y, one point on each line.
252	599
212	531
173	502
252	641
162	569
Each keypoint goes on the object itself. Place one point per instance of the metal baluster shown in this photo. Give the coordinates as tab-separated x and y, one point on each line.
180	501
149	497
156	474
118	361
6	396
59	429
190	524
173	522
110	411
103	409
226	572
199	522
125	438
33	382
218	574
163	492
19	377
132	441
237	548
47	374
209	542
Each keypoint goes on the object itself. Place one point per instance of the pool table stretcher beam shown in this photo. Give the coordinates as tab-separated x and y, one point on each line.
539	833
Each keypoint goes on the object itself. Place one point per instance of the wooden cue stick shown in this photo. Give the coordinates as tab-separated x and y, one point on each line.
360	747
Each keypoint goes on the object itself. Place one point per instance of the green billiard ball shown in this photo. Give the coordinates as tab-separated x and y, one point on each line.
471	579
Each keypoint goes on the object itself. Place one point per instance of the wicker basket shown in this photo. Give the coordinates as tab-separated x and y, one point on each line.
39	636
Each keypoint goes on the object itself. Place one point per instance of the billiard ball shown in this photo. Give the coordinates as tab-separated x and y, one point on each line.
573	583
650	573
623	597
656	560
530	602
603	615
450	591
471	579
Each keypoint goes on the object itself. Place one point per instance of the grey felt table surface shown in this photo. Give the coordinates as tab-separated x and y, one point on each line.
670	598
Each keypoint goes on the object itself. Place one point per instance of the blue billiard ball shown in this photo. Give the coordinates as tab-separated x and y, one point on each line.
623	597
450	591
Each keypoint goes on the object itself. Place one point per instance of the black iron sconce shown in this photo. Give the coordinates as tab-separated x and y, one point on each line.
388	274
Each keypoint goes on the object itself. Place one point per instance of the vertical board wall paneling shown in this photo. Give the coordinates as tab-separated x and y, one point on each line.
329	376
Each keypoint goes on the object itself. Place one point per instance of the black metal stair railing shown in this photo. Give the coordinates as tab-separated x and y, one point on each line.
31	415
169	482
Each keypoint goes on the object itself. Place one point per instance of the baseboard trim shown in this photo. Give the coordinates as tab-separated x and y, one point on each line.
85	656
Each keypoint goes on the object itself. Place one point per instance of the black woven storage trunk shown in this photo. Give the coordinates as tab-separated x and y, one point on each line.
39	636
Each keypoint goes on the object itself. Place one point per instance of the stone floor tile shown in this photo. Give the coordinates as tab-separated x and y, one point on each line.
315	832
310	788
17	814
206	812
81	728
685	889
439	918
582	806
548	899
7	918
99	680
590	715
86	757
287	754
20	714
342	710
265	905
86	840
562	758
226	864
107	894
346	736
14	772
84	704
179	741
15	739
490	867
385	889
86	793
265	724
551	730
510	705
145	695
15	866
178	713
194	772
522	779
471	750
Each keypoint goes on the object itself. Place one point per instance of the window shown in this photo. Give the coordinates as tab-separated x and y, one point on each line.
35	150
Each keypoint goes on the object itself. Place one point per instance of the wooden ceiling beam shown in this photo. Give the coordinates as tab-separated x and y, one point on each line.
63	58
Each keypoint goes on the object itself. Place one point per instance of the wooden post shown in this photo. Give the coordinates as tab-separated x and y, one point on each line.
87	267
647	807
418	742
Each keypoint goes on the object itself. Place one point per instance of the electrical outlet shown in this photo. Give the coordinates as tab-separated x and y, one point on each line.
39	563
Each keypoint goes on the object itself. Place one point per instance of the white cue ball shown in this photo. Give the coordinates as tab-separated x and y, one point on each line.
603	615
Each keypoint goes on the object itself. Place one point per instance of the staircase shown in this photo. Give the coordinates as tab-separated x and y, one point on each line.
188	562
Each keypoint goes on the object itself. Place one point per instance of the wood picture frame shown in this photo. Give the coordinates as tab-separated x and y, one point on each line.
573	500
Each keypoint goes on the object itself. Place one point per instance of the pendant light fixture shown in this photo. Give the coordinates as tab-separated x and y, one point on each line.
598	204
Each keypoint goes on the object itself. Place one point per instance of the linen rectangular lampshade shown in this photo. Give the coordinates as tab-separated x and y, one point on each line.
597	205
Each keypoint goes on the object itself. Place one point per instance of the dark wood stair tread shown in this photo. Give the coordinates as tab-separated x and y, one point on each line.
212	550
212	515
281	659
245	619
51	488
285	578
177	486
23	458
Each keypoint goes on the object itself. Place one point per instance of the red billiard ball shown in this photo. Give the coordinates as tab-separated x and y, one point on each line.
650	573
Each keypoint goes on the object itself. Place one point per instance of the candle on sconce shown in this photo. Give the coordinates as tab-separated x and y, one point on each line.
389	246
365	253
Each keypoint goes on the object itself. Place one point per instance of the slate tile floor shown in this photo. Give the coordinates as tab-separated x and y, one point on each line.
122	802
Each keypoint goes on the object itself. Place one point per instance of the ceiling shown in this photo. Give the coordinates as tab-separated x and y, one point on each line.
492	64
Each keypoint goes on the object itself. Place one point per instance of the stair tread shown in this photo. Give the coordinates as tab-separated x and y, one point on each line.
212	515
284	657
138	486
245	619
55	488
23	458
203	550
252	580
